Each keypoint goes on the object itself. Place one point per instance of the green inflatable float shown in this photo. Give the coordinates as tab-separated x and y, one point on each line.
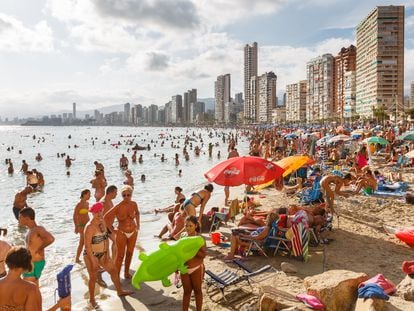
165	261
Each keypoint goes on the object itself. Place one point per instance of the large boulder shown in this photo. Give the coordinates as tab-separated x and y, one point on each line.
406	288
336	289
370	304
273	299
288	267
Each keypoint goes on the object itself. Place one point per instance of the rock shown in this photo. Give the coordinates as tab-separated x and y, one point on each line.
336	289
406	288
273	299
288	267
370	304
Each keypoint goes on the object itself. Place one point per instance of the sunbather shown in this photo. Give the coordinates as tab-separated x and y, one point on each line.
366	181
239	239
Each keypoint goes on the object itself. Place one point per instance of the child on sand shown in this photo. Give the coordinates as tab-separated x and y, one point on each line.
193	279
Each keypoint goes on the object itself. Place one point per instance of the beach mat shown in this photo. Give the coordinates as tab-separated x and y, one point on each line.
389	193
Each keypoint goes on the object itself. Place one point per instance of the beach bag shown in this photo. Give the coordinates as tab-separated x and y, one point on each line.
63	279
388	287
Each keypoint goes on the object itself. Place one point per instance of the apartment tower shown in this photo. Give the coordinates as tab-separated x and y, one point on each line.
74	110
222	96
380	61
250	70
319	100
412	95
296	102
345	65
266	97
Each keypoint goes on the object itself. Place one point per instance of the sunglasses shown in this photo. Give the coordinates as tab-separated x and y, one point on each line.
125	195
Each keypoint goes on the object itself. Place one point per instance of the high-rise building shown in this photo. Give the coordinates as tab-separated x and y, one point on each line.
250	70
168	113
266	97
349	94
127	112
238	98
176	109
279	115
345	62
197	110
296	102
74	110
380	61
412	95
253	100
152	114
189	97
319	100
222	96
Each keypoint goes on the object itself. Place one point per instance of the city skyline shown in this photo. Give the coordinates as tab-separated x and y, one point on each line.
96	53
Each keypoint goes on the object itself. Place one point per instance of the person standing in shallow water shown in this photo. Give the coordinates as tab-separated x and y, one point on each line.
99	184
37	239
127	214
96	253
80	219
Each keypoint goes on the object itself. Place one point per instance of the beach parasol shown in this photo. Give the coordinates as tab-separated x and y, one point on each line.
407	136
338	138
376	140
290	136
244	170
323	140
293	163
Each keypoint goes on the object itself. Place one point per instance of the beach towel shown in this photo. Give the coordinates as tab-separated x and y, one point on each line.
310	301
388	287
372	290
300	241
408	267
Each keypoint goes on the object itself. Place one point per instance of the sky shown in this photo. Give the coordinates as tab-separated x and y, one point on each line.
106	52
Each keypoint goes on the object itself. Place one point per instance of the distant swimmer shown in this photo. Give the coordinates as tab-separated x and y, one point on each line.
20	201
123	162
37	239
25	167
38	157
40	178
134	157
143	178
177	162
80	219
140	160
32	180
68	161
99	184
10	169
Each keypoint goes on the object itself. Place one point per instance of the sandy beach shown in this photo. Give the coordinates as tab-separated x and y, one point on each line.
359	243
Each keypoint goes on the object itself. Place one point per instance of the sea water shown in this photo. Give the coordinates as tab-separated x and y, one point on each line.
54	205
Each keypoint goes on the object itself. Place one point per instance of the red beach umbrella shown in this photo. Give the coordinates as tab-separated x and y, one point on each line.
244	170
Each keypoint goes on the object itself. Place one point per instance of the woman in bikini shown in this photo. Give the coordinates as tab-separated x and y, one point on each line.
96	252
99	184
200	198
80	219
193	279
127	214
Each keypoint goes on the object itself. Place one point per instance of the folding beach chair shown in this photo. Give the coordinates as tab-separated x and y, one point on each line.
228	278
312	195
229	214
261	245
280	243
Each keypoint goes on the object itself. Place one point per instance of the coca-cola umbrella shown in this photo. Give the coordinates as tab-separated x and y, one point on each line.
244	170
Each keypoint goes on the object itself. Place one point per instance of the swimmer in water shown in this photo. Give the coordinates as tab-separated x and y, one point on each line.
80	219
129	180
99	184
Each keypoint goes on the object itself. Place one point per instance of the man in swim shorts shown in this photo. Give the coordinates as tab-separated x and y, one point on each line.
37	239
20	201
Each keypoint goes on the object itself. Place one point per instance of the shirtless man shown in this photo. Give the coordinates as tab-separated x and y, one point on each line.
123	162
134	157
40	178
99	184
96	253
68	161
4	248
129	180
38	157
326	183
20	201
199	198
10	169
127	214
37	239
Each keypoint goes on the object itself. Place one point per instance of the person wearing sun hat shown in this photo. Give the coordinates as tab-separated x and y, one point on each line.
127	214
97	254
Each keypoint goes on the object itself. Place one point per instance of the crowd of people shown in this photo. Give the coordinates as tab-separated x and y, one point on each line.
108	232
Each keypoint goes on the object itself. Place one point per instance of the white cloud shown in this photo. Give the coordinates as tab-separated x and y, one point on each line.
16	37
